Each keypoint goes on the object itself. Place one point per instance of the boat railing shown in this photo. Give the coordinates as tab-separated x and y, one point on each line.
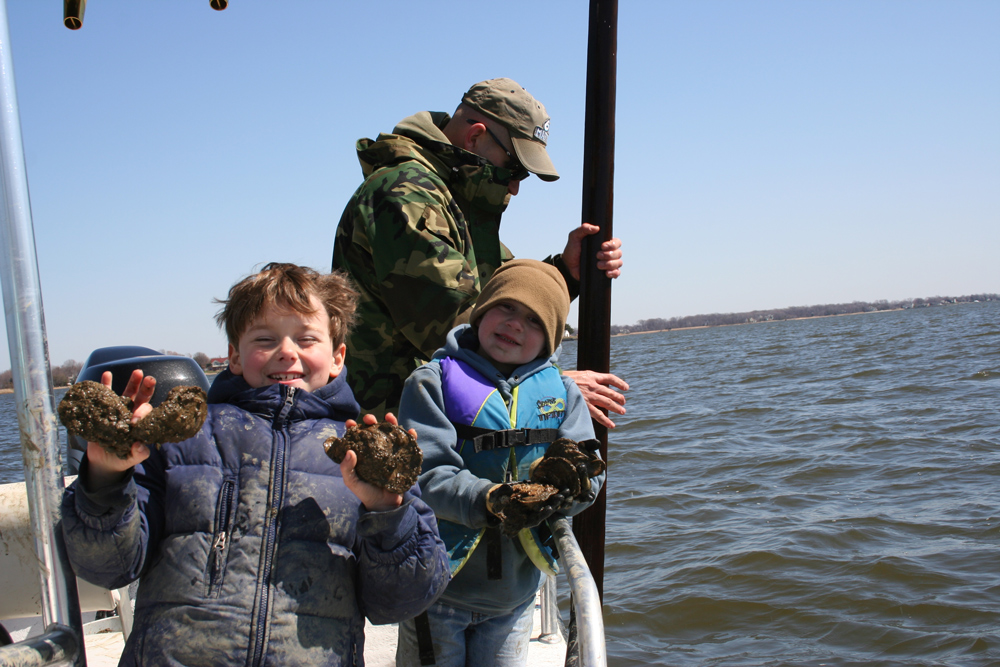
585	646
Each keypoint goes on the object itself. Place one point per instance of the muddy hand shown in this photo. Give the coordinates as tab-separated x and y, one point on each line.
373	498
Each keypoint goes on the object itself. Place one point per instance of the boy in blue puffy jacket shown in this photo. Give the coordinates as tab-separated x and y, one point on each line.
494	386
253	547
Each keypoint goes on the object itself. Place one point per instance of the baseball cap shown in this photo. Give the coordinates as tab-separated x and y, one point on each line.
506	102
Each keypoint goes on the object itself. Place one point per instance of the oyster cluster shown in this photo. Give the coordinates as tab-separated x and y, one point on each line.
524	505
97	414
556	480
388	456
568	468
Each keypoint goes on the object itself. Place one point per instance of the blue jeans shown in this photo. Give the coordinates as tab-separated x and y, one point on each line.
470	638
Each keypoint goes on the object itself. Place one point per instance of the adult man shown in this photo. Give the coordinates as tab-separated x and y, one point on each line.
420	236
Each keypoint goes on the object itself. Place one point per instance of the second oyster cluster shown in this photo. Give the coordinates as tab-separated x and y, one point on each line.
564	471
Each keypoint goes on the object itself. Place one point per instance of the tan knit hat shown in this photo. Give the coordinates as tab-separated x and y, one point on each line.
506	102
536	285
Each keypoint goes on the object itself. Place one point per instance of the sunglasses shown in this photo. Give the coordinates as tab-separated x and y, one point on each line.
516	169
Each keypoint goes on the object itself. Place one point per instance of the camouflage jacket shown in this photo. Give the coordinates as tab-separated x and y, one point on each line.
419	238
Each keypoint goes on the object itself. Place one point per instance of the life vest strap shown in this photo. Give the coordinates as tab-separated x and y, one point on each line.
425	645
494	554
484	438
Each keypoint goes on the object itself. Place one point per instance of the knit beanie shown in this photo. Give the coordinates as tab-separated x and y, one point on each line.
533	284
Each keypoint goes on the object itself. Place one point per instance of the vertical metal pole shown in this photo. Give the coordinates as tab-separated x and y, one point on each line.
22	297
549	597
595	287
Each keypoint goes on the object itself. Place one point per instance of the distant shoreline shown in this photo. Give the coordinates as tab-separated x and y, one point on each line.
752	316
739	324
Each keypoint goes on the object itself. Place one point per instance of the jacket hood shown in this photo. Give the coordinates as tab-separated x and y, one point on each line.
332	401
462	343
420	137
424	126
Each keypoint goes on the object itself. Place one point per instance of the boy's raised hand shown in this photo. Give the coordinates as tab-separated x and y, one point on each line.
106	468
373	498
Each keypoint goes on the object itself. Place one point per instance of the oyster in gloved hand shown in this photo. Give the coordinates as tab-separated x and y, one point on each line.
388	456
569	468
523	505
97	414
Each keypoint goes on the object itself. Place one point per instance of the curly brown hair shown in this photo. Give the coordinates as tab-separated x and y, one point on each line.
291	286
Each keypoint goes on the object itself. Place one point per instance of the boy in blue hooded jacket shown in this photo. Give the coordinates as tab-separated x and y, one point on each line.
496	375
253	547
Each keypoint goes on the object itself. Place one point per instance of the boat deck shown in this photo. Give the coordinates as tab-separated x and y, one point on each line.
105	648
548	651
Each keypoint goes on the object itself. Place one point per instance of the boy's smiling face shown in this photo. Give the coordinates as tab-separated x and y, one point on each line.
283	346
510	335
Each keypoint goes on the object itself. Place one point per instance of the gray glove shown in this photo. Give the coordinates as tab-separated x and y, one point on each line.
523	505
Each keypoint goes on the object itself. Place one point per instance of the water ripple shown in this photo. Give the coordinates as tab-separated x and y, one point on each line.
808	492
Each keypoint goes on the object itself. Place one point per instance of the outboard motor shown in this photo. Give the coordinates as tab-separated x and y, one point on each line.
170	371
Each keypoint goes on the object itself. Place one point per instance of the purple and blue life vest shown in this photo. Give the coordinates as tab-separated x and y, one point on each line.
470	399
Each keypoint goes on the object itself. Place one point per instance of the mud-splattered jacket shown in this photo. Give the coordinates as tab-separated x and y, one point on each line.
418	238
250	548
457	494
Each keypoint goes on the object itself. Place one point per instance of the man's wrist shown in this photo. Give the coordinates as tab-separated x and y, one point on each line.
572	284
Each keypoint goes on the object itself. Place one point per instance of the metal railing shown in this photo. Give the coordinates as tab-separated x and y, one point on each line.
62	641
586	646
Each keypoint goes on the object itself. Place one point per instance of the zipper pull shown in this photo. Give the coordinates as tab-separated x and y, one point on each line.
220	542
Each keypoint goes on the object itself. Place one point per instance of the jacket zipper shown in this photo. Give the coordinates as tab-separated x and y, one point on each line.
271	522
223	523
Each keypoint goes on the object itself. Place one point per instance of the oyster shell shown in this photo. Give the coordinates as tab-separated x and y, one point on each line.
519	505
388	456
97	414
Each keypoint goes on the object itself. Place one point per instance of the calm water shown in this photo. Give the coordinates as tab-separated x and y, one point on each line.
811	492
11	462
818	492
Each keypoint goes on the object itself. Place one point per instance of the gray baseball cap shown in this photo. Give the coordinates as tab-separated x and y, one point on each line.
506	102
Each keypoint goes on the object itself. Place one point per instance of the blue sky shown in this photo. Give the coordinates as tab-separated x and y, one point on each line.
769	153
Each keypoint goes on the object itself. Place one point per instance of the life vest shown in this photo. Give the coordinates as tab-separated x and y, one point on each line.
537	403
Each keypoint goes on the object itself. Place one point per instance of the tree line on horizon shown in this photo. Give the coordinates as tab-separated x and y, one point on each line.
61	375
794	312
